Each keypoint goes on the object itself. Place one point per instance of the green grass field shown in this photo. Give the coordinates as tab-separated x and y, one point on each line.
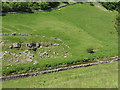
99	76
80	26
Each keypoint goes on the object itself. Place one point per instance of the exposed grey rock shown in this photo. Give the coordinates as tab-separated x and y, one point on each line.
29	49
44	44
16	45
29	60
95	50
5	33
34	49
14	33
25	51
30	53
31	57
65	52
54	52
35	62
53	37
10	47
38	45
17	60
25	34
65	56
46	52
31	45
41	55
55	44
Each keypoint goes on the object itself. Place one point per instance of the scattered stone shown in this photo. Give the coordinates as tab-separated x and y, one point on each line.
65	52
14	33
25	51
59	39
29	60
34	49
8	52
48	56
16	45
65	56
17	60
35	62
53	37
9	61
31	57
21	49
10	47
55	44
29	48
57	53
41	55
29	53
54	52
96	50
5	34
19	53
38	45
30	45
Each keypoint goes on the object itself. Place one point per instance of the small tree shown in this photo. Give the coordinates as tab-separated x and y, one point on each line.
44	5
5	7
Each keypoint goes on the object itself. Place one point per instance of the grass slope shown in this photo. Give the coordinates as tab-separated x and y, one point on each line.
80	26
96	26
99	76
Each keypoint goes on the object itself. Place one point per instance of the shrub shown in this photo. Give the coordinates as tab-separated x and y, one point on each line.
90	50
44	5
91	4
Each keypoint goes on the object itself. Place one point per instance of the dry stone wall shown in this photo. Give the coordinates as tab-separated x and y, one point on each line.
56	70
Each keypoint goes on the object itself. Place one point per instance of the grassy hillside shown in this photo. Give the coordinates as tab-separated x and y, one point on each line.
100	76
79	26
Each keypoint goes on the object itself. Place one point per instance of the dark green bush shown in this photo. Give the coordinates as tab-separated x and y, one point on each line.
90	50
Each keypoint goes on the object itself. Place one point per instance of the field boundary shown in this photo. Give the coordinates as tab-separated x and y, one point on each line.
3	14
56	70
